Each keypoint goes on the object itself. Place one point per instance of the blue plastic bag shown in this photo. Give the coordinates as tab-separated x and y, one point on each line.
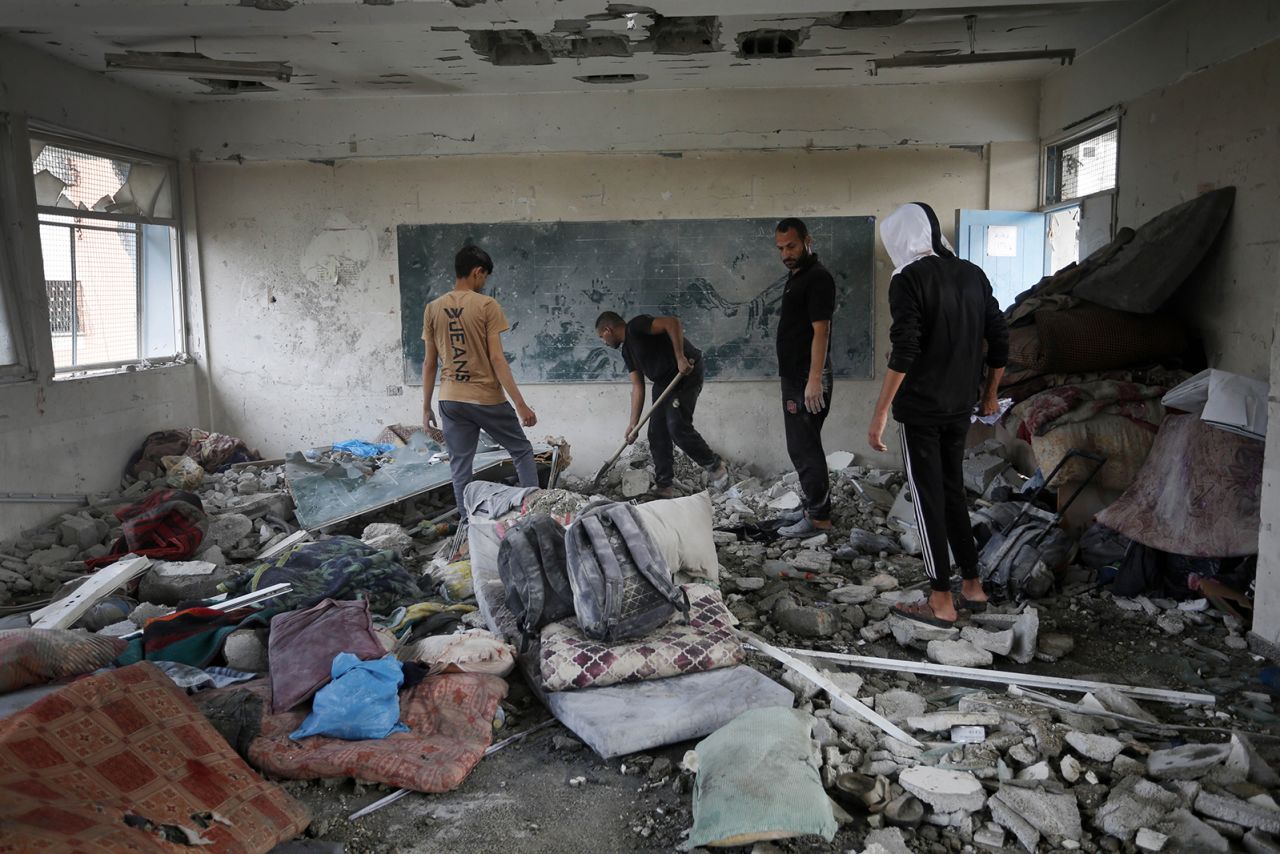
362	701
360	448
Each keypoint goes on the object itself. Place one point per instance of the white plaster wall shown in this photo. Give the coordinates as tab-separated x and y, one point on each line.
1178	39
1220	127
302	307
74	435
1266	622
628	121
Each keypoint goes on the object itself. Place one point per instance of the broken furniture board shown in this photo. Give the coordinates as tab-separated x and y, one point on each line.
840	700
64	613
326	493
1004	677
622	719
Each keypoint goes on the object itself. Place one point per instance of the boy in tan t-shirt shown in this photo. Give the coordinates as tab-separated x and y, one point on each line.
462	331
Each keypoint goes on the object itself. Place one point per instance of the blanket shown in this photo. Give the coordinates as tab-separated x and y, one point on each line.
336	568
168	524
1198	494
124	762
450	720
1070	404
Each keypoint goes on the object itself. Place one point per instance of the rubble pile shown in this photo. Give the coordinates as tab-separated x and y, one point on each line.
979	764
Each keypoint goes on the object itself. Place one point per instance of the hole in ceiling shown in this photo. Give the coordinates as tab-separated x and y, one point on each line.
509	47
269	5
232	87
612	78
769	43
685	34
862	20
588	45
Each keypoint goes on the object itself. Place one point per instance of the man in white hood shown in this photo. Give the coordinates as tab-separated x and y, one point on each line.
943	312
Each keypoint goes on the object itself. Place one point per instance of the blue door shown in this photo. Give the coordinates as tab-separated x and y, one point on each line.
1007	245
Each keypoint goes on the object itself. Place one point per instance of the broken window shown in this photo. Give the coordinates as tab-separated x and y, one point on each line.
109	241
1082	165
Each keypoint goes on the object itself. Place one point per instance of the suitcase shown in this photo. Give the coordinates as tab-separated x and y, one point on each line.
1019	559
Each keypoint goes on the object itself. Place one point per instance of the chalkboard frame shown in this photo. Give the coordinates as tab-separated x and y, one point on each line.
606	255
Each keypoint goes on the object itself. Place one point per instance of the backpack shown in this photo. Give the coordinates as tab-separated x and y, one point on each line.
622	586
531	564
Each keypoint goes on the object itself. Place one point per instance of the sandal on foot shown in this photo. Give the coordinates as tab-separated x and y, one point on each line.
973	606
921	612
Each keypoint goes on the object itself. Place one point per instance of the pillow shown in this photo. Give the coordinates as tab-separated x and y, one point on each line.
36	656
681	529
472	651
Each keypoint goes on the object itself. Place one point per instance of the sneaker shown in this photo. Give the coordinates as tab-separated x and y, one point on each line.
719	477
802	528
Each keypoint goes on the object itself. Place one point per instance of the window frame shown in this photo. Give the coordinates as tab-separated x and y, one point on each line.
11	232
44	134
1050	168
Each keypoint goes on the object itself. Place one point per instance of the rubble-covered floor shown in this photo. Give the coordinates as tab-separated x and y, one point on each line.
550	793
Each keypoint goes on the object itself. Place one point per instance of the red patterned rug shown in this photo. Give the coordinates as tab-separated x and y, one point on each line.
450	719
124	761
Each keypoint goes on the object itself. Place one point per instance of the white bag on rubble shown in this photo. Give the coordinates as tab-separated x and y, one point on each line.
472	651
1224	400
681	529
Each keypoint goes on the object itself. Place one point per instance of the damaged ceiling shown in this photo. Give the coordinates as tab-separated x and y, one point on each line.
344	48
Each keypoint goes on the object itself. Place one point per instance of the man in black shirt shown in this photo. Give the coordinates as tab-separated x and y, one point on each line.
655	347
943	312
804	366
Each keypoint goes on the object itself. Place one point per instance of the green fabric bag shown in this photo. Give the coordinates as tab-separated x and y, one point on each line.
758	780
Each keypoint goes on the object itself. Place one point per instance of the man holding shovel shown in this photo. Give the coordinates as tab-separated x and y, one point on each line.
655	347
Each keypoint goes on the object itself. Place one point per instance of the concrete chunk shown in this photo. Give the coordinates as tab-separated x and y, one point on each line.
1025	627
997	643
1150	840
1188	761
898	705
907	632
386	536
1053	814
1244	761
1244	813
1134	804
958	653
1099	748
853	594
945	791
1189	835
81	533
228	529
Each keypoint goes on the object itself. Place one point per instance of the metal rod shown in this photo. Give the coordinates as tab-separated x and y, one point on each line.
75	294
1004	677
839	698
400	793
43	498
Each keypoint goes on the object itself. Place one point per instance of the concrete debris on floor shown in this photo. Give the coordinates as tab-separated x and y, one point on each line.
1079	720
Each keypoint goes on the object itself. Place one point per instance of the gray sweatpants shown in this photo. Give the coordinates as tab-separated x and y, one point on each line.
462	423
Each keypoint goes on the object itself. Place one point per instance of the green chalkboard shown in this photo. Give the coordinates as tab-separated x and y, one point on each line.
722	278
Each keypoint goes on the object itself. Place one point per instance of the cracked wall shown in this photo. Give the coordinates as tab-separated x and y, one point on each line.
301	267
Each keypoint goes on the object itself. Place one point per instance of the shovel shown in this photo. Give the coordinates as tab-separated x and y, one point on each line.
644	417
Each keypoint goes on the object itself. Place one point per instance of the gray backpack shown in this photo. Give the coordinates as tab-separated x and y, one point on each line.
531	565
622	586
